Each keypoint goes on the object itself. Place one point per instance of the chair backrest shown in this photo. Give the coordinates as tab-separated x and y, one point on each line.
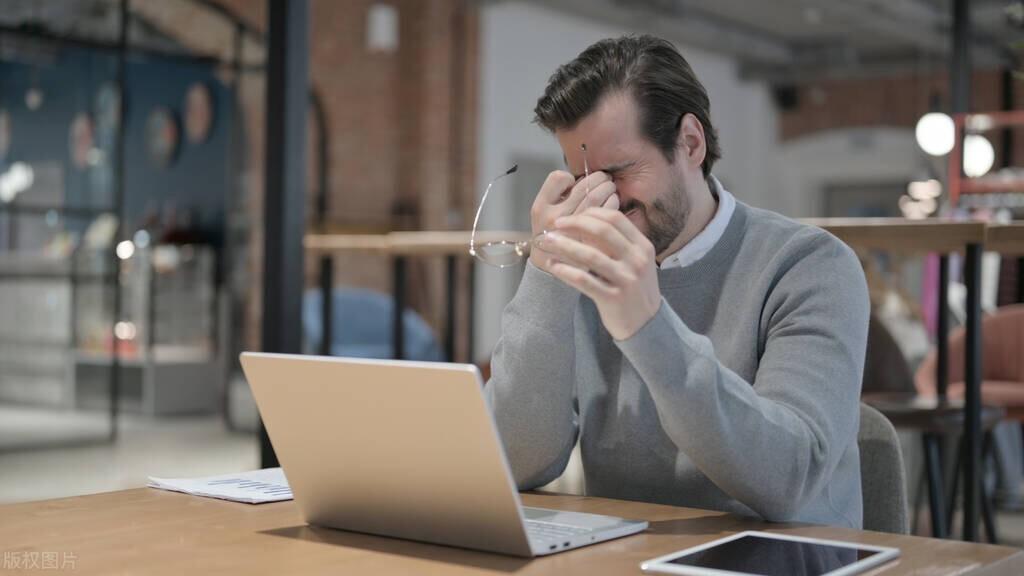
1002	343
361	326
882	475
885	367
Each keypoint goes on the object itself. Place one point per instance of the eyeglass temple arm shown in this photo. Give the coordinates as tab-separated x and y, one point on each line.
586	167
476	219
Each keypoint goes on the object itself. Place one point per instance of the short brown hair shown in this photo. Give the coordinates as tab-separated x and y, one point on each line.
652	70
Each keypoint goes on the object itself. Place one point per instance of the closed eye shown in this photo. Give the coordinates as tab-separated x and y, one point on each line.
616	171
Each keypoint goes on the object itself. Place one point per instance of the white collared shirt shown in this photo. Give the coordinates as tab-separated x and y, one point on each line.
703	242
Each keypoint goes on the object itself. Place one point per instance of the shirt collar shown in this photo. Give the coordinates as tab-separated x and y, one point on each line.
704	241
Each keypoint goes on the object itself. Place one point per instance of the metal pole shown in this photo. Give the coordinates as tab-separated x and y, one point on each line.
942	332
471	313
933	468
322	162
322	193
230	187
1020	279
451	262
119	194
286	113
326	304
1008	100
398	295
960	65
972	394
960	91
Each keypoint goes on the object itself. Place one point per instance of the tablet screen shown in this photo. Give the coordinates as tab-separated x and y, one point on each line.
752	554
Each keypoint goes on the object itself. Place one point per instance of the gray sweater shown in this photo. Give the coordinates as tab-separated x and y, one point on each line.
741	394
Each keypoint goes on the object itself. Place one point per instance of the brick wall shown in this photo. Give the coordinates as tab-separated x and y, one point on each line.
401	127
890	101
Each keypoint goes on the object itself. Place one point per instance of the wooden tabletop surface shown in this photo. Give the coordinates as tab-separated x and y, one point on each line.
425	243
1007	239
148	531
902	235
891	234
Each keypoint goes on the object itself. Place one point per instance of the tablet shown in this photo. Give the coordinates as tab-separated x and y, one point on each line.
764	554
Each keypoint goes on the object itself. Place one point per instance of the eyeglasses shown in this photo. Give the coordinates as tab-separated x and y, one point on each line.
505	253
499	253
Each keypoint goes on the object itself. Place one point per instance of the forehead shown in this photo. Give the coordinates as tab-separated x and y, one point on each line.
611	133
615	116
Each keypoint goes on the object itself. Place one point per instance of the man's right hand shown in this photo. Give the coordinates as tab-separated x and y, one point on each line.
561	195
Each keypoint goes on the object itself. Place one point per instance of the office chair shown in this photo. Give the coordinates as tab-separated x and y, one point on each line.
361	326
881	474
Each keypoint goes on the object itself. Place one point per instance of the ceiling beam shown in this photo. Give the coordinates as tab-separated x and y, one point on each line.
683	25
921	27
919	24
861	68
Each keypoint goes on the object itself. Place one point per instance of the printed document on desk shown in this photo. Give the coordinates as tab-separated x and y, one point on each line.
256	487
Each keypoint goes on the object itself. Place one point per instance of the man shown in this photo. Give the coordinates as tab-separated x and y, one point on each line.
705	353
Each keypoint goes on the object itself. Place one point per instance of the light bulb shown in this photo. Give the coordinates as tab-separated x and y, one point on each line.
125	330
935	133
125	249
978	155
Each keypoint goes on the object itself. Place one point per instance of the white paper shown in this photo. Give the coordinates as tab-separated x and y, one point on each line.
256	487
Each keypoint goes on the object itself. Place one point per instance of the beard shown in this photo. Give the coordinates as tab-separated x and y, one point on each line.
665	217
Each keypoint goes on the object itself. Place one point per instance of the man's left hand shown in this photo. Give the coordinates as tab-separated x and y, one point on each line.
612	262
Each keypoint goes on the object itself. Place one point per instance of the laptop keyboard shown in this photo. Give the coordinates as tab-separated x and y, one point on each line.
539	530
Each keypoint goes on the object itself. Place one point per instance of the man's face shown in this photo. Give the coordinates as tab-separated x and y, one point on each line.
652	192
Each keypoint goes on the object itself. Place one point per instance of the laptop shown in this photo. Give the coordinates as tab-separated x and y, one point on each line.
408	450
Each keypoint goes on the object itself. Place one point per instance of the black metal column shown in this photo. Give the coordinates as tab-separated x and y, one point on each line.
960	92
942	331
471	313
972	394
960	65
326	304
232	177
451	263
398	306
1009	100
327	258
933	468
119	195
1020	279
286	112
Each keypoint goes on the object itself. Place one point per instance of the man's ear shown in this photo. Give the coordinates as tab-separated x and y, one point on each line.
690	144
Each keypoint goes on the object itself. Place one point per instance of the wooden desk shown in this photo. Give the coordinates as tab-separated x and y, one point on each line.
146	531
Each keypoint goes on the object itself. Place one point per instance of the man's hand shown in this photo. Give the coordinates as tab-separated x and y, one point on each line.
603	255
561	196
